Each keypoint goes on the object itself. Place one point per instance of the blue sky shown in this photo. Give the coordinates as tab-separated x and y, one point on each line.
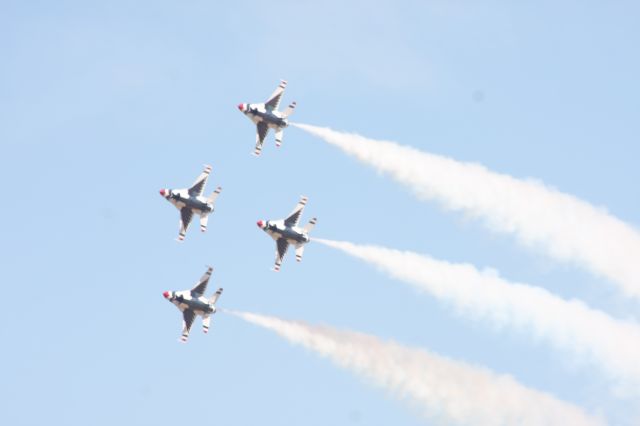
101	105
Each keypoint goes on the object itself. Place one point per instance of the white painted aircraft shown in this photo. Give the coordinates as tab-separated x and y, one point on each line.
190	201
286	231
266	116
192	302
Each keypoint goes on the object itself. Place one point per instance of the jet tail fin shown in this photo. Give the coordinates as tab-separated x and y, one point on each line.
287	112
312	223
212	197
299	252
206	322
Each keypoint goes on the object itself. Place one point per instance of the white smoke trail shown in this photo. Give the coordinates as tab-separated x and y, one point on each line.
565	227
573	327
445	390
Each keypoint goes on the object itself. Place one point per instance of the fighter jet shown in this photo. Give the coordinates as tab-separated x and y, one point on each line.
267	116
286	231
190	201
192	302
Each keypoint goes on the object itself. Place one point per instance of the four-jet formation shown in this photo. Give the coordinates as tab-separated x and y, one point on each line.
190	201
286	231
266	116
192	302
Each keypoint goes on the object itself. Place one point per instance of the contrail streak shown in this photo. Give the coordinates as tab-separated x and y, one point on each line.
445	390
565	227
569	325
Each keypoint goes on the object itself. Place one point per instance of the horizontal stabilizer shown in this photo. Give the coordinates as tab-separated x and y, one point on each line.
212	198
214	298
203	222
309	226
287	112
299	252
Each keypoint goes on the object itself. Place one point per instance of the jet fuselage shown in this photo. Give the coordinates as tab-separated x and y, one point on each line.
258	113
294	235
182	199
184	300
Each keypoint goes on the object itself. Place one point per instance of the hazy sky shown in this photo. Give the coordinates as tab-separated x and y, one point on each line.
103	104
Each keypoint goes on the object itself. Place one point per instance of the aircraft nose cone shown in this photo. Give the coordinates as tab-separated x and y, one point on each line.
241	107
259	223
166	294
162	192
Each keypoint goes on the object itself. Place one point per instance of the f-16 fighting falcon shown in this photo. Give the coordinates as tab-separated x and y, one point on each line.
286	231
190	201
192	303
267	116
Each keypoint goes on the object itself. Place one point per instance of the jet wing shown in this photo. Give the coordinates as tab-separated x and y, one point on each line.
199	289
198	186
185	219
274	99
187	321
281	249
294	216
261	134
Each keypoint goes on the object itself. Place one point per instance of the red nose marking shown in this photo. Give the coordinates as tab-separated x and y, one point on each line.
259	223
240	107
166	294
162	192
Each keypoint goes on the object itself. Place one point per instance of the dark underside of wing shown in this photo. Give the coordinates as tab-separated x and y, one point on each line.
197	189
186	214
293	219
262	130
188	315
282	246
199	289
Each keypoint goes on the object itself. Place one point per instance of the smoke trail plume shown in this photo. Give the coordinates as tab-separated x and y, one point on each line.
571	326
445	390
565	227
